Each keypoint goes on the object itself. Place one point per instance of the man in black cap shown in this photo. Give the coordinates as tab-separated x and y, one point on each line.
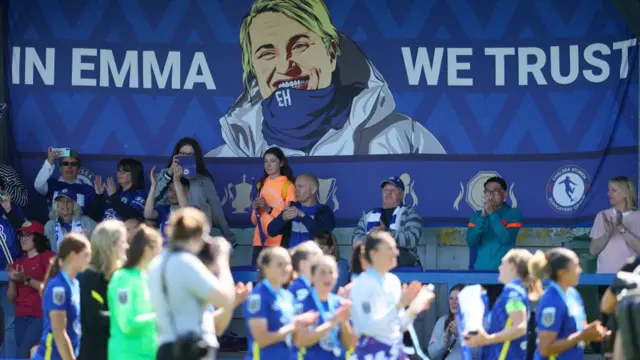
404	223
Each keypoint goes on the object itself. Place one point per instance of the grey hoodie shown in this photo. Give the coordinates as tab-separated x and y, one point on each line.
203	195
373	126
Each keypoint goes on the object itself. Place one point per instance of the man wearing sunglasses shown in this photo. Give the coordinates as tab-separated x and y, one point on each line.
69	170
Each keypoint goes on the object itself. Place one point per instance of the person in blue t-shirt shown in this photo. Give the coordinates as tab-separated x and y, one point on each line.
269	310
331	334
505	338
178	195
70	171
123	200
61	329
561	321
302	256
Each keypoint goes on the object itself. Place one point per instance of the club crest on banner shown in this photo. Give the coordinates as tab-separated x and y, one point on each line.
567	188
239	195
328	190
475	191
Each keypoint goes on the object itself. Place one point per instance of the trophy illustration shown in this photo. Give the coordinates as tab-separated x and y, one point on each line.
239	195
409	189
328	190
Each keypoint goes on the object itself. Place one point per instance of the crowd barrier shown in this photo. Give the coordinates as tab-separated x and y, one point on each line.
440	277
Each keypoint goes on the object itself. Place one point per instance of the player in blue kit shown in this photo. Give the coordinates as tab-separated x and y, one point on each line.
61	300
269	310
302	256
562	322
332	333
505	338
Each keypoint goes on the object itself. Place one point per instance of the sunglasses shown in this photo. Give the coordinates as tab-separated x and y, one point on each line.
70	163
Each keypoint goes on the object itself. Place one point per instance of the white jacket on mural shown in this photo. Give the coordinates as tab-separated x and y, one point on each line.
373	126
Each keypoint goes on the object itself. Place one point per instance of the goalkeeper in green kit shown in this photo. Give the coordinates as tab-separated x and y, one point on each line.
133	326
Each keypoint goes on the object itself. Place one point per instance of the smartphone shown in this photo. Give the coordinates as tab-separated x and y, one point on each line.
64	152
188	164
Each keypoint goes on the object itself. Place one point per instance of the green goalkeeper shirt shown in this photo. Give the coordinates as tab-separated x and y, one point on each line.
133	325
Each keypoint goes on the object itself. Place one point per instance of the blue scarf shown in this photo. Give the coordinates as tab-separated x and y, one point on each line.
134	198
299	232
374	217
298	119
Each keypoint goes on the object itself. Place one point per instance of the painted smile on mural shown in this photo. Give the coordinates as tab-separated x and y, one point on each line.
311	91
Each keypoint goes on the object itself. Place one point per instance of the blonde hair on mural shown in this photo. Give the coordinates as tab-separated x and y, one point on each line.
312	14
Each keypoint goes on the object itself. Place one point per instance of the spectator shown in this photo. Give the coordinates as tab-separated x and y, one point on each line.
402	222
302	218
181	287
616	231
203	194
493	231
178	196
61	300
69	170
329	246
11	183
11	218
25	280
124	200
109	245
444	342
133	322
275	191
66	217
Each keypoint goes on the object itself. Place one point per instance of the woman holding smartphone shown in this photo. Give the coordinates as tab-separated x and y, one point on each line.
203	193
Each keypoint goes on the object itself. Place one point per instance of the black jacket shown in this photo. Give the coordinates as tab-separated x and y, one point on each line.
94	315
322	221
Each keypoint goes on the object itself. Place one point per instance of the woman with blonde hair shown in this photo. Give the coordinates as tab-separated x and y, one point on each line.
505	337
616	231
109	245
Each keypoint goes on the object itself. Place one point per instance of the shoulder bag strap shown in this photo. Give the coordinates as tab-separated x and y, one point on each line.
165	291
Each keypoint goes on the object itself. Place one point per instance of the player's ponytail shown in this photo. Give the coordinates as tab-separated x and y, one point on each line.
538	266
54	267
521	259
71	243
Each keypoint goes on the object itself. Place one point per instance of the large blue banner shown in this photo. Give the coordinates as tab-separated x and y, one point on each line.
442	93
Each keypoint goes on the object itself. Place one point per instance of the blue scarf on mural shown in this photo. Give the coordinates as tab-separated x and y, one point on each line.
299	232
297	119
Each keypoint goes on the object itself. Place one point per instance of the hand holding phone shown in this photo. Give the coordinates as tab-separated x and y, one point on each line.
62	152
188	164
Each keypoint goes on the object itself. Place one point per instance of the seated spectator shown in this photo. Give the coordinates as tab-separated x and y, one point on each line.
203	195
11	183
444	338
493	231
404	223
302	218
66	217
329	245
25	278
178	195
69	169
11	218
124	200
